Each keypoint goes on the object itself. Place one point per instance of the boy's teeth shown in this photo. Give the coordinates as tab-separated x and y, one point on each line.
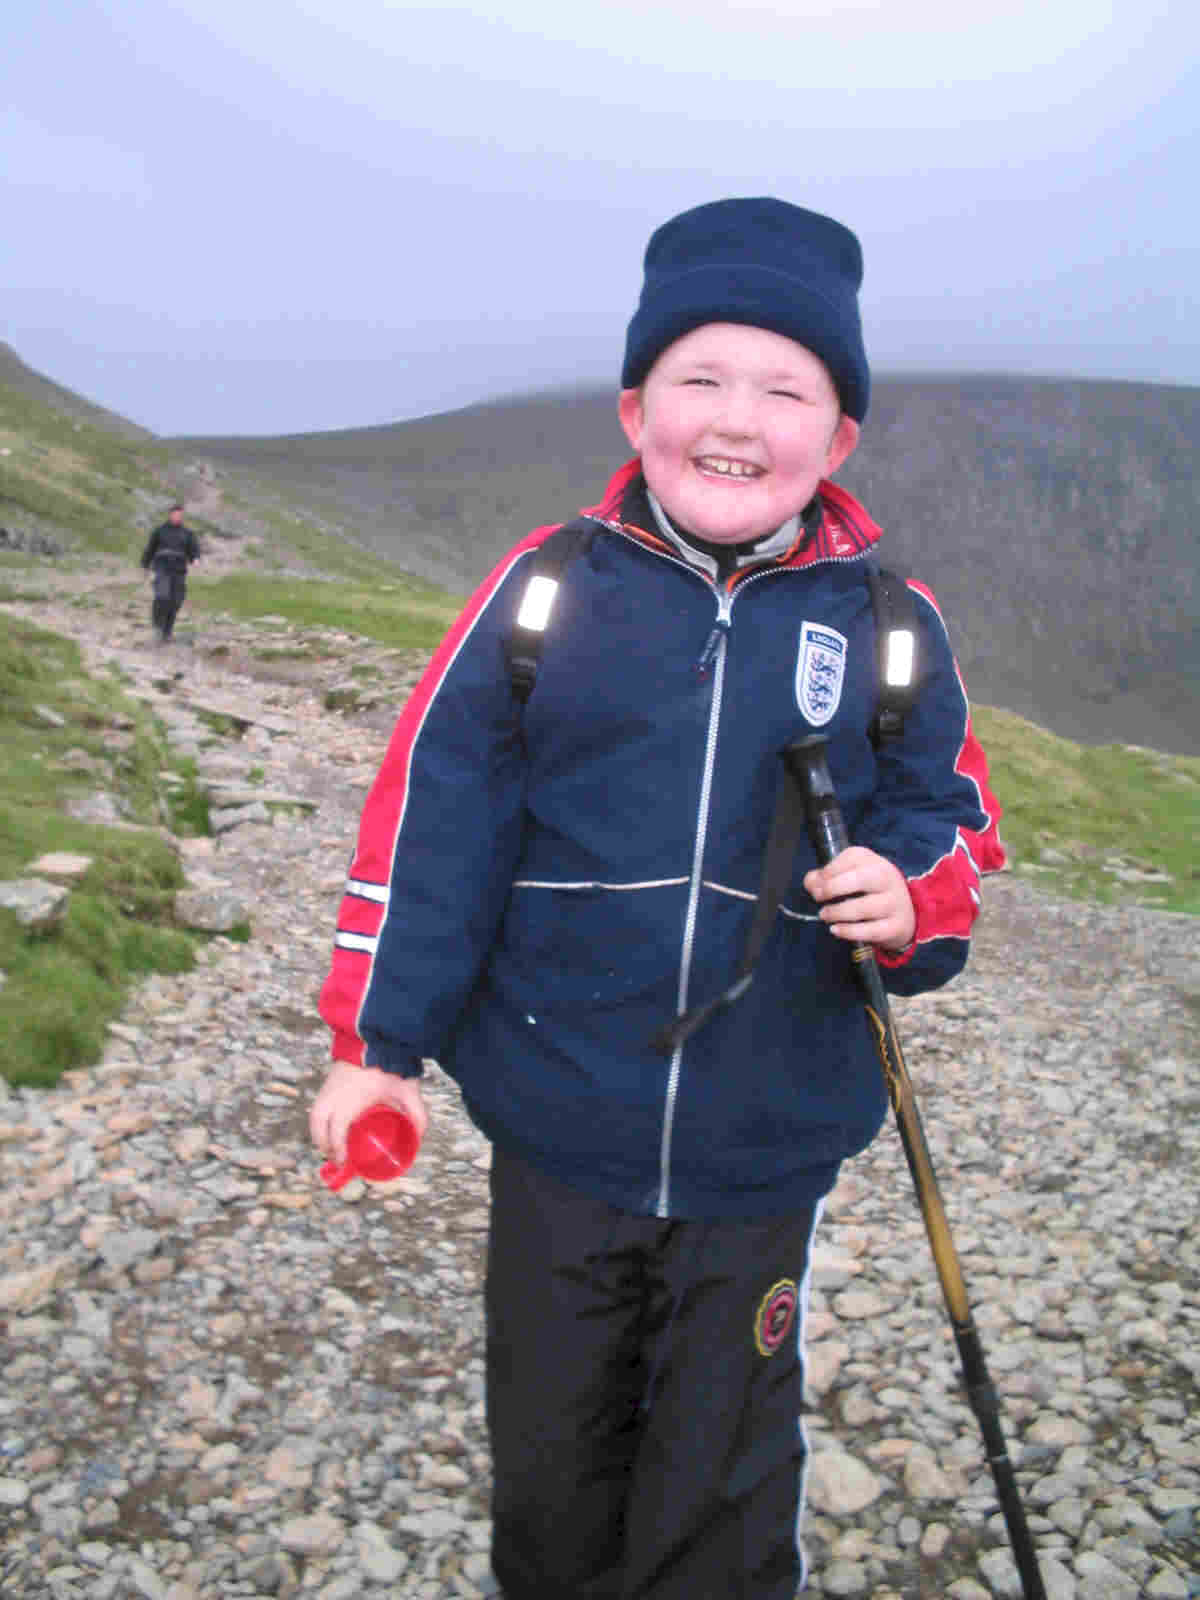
732	469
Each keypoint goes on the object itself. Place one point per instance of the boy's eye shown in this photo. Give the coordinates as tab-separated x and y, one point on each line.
701	383
787	394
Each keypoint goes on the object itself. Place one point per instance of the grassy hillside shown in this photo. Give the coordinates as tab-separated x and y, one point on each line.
86	482
1112	823
71	480
59	730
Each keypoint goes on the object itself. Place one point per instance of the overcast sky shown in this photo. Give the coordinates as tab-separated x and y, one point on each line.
267	216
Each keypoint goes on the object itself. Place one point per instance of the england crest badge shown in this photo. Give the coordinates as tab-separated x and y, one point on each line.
820	669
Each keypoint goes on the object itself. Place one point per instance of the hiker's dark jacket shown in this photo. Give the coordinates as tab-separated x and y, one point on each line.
534	893
174	545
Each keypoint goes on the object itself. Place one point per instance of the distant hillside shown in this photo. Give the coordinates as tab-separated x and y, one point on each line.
1059	523
77	479
446	495
1056	520
65	402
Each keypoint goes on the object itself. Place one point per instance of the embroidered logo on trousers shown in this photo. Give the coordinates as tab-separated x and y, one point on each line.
774	1317
820	668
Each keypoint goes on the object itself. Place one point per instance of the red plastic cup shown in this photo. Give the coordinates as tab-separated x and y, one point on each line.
381	1145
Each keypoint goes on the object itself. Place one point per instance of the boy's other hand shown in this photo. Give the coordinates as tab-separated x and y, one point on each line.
347	1092
873	903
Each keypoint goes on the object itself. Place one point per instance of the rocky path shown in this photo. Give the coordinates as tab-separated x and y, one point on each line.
219	1380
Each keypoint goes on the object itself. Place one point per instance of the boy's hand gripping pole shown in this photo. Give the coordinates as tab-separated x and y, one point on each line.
806	765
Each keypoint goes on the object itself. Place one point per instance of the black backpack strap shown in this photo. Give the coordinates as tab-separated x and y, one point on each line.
895	616
787	829
523	647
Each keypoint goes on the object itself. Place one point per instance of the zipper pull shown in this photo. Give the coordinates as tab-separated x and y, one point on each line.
711	645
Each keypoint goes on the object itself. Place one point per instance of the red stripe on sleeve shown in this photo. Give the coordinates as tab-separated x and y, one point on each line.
360	916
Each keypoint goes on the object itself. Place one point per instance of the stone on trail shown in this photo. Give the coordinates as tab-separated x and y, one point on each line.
315	1535
924	1479
1000	1570
1056	1580
223	819
122	1249
1099	1579
210	910
1167	1584
96	807
838	1483
30	1288
38	905
60	864
378	1558
845	1578
855	1305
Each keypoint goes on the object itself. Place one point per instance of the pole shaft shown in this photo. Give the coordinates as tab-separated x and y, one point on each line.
807	766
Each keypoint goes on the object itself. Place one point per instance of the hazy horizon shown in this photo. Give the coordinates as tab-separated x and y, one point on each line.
292	218
595	387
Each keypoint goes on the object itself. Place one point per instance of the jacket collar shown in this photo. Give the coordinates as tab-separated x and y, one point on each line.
843	529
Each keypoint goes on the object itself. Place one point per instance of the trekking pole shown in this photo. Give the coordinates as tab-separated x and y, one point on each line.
806	765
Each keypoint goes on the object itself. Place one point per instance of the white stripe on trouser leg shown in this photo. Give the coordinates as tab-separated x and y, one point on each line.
801	1327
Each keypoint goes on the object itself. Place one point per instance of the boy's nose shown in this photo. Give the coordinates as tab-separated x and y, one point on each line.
736	415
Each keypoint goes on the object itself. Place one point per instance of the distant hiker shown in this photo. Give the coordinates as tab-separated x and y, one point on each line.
564	850
169	552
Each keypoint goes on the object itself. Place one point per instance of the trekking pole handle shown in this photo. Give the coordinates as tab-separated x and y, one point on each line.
805	760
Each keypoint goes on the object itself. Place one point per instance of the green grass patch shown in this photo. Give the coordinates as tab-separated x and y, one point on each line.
74	476
63	986
293	533
401	612
189	801
1111	823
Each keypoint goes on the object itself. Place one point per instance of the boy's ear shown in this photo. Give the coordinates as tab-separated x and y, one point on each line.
842	445
629	410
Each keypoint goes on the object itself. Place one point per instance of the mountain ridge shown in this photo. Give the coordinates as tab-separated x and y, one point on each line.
1055	519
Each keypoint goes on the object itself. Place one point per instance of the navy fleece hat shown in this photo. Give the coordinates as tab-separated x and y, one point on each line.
761	262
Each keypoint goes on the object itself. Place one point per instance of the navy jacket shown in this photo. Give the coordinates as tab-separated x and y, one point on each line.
172	544
534	893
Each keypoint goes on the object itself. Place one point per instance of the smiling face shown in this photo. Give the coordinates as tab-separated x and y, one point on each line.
736	426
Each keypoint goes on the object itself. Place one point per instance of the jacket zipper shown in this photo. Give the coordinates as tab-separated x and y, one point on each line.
712	659
724	608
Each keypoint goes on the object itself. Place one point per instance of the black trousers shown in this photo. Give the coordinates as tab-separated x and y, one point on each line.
645	1384
170	586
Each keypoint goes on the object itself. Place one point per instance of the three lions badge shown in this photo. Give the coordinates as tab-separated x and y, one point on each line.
820	670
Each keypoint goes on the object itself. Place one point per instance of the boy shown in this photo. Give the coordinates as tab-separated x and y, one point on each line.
537	890
170	551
